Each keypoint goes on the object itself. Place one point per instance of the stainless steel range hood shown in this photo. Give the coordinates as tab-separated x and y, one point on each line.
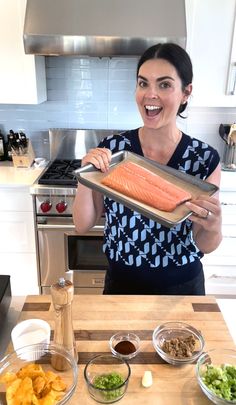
102	27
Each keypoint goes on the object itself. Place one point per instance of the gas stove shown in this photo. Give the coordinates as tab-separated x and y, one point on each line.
61	173
55	190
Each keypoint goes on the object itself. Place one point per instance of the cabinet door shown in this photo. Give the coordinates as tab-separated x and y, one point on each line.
22	77
17	232
223	256
220	265
210	26
231	88
22	269
15	199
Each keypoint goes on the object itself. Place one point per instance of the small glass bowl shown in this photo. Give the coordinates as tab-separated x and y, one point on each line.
216	357
107	365
125	345
45	355
172	330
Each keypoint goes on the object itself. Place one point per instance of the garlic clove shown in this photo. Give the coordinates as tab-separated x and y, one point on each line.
147	379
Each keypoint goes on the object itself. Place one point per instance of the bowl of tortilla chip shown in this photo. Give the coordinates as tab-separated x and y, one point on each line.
40	374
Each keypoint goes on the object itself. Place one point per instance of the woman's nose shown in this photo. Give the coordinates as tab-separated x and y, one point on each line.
152	92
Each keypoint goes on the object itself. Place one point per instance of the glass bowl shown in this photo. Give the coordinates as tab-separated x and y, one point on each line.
39	361
107	377
222	359
125	345
178	343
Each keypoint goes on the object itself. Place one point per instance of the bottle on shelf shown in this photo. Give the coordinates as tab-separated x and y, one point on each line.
10	141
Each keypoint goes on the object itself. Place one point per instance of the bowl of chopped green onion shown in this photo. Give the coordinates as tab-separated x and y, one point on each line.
107	377
216	375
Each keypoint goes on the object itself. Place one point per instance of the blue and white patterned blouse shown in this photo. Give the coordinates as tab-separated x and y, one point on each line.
135	242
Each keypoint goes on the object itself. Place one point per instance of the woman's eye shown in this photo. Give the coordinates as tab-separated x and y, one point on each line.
165	85
142	83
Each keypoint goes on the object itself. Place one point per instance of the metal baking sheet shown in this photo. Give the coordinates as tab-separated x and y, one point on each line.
91	177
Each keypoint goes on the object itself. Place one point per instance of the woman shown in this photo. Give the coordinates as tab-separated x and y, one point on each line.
144	256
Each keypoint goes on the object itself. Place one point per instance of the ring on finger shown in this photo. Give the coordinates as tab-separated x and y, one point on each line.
208	214
204	215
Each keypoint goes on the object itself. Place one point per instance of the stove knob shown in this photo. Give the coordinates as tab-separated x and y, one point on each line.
46	206
61	207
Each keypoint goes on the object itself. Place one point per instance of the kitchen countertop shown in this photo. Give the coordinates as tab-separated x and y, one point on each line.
97	317
14	177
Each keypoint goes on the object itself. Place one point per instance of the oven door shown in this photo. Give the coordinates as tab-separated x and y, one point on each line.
61	249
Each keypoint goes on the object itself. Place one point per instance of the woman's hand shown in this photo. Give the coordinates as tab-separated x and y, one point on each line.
99	157
206	212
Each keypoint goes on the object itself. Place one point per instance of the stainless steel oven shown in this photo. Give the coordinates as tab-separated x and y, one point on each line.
65	253
61	251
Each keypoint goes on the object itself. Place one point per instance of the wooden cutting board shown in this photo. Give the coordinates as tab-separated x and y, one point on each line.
97	317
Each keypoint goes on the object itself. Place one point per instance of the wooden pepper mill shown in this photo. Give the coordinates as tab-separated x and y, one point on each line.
62	297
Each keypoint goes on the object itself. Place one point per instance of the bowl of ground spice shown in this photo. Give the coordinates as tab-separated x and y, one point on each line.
178	343
125	345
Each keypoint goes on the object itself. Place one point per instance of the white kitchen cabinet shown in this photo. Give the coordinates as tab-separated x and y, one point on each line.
17	240
210	29
220	265
22	77
231	85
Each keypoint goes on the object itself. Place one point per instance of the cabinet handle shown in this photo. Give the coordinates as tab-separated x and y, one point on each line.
232	80
234	85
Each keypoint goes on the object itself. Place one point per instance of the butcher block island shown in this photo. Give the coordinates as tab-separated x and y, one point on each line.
97	317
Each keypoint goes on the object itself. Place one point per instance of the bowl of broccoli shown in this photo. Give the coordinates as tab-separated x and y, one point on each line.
216	375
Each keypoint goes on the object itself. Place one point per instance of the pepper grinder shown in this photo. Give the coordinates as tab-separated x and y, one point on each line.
62	297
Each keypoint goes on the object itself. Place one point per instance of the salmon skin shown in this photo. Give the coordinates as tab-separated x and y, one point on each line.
139	183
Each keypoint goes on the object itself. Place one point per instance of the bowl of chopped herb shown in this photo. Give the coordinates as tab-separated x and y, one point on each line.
178	343
216	375
107	377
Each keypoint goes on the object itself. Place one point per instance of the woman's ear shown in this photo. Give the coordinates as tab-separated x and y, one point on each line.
187	93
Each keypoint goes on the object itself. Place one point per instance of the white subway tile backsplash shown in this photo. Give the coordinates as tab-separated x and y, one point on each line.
68	62
117	107
87	74
82	124
122	95
54	95
122	85
99	93
54	73
94	94
123	118
122	74
123	63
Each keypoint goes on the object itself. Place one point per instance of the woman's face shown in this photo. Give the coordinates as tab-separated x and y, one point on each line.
159	93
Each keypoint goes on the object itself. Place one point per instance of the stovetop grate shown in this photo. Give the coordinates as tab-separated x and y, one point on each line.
60	173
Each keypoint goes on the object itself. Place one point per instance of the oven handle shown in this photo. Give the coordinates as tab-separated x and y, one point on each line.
54	226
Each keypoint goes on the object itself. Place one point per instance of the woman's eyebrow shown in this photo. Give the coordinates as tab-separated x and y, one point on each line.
142	77
159	79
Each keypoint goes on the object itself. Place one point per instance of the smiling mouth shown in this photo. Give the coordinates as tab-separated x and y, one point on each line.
152	110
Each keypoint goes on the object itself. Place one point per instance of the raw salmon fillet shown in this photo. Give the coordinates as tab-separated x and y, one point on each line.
159	182
144	186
